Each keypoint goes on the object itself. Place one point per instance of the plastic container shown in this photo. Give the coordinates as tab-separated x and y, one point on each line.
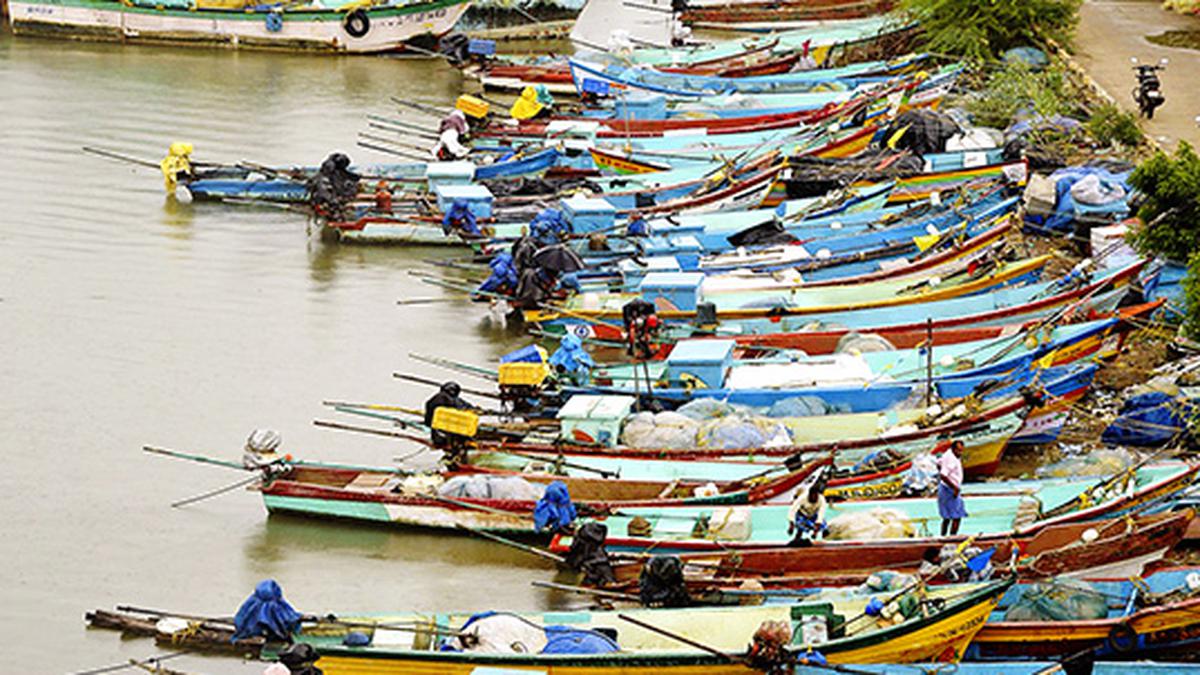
477	197
449	173
673	290
705	360
587	418
470	105
454	421
522	374
589	215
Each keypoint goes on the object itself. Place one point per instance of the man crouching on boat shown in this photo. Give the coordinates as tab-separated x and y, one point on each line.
950	477
806	517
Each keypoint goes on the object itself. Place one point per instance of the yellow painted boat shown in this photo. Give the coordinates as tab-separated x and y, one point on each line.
938	628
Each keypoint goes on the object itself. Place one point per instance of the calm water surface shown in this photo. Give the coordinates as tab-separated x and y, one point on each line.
127	319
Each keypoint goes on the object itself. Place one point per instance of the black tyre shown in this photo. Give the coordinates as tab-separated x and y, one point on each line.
357	23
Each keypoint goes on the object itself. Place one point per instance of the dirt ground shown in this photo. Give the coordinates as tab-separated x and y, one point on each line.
1112	31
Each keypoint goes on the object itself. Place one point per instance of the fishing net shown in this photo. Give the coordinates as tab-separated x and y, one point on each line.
1097	462
802	406
1059	600
878	523
660	430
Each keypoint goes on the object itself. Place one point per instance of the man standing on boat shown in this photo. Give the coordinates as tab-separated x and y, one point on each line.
806	517
950	477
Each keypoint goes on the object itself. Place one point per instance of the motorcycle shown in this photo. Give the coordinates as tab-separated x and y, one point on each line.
1148	92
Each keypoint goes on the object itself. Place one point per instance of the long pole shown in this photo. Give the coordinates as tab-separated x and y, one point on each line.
928	361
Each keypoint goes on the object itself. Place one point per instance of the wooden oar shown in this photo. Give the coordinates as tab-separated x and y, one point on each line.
227	620
514	544
109	154
583	590
389	151
679	638
423	107
131	664
424	380
368	430
218	492
175	454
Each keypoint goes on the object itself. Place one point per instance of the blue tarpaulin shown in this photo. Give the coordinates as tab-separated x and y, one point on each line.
266	613
567	640
1150	419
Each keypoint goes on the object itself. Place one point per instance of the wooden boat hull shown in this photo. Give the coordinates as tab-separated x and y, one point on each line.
388	28
943	636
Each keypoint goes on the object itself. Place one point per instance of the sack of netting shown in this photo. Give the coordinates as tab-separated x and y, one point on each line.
1058	600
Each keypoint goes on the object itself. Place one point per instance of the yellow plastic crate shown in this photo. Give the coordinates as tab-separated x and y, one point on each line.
472	106
454	421
522	374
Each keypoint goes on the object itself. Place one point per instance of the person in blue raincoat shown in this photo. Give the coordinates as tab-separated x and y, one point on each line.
266	614
571	360
504	277
554	512
460	219
549	227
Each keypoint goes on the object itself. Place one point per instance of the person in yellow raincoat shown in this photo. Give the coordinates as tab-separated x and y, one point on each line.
176	165
534	102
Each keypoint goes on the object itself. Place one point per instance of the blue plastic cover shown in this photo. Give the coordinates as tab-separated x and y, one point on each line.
1150	419
526	354
554	510
594	86
567	640
266	613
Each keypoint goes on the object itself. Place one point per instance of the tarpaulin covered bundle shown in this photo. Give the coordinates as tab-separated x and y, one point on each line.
504	633
554	510
588	554
266	613
482	486
503	278
661	583
1088	191
1058	600
1150	419
459	216
568	640
920	131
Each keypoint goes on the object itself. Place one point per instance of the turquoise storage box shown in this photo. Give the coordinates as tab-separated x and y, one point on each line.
685	248
589	215
586	418
673	290
695	362
449	173
478	198
640	107
633	273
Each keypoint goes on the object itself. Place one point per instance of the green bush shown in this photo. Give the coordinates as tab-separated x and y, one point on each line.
1109	124
1191	297
1170	219
1013	88
978	30
1170	209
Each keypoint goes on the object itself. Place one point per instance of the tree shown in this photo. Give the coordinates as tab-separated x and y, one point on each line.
978	30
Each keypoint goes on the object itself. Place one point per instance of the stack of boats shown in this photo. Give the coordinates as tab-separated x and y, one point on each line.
760	267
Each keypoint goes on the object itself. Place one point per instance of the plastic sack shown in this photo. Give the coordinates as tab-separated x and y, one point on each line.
878	523
708	408
1095	192
922	477
1059	600
482	486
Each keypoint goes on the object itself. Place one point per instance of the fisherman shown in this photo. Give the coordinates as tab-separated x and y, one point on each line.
641	326
534	103
806	517
334	186
452	136
460	219
536	286
950	477
446	397
177	165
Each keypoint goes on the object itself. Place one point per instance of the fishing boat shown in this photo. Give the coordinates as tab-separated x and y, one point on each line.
384	497
936	625
1120	548
686	530
1155	616
346	28
724	14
